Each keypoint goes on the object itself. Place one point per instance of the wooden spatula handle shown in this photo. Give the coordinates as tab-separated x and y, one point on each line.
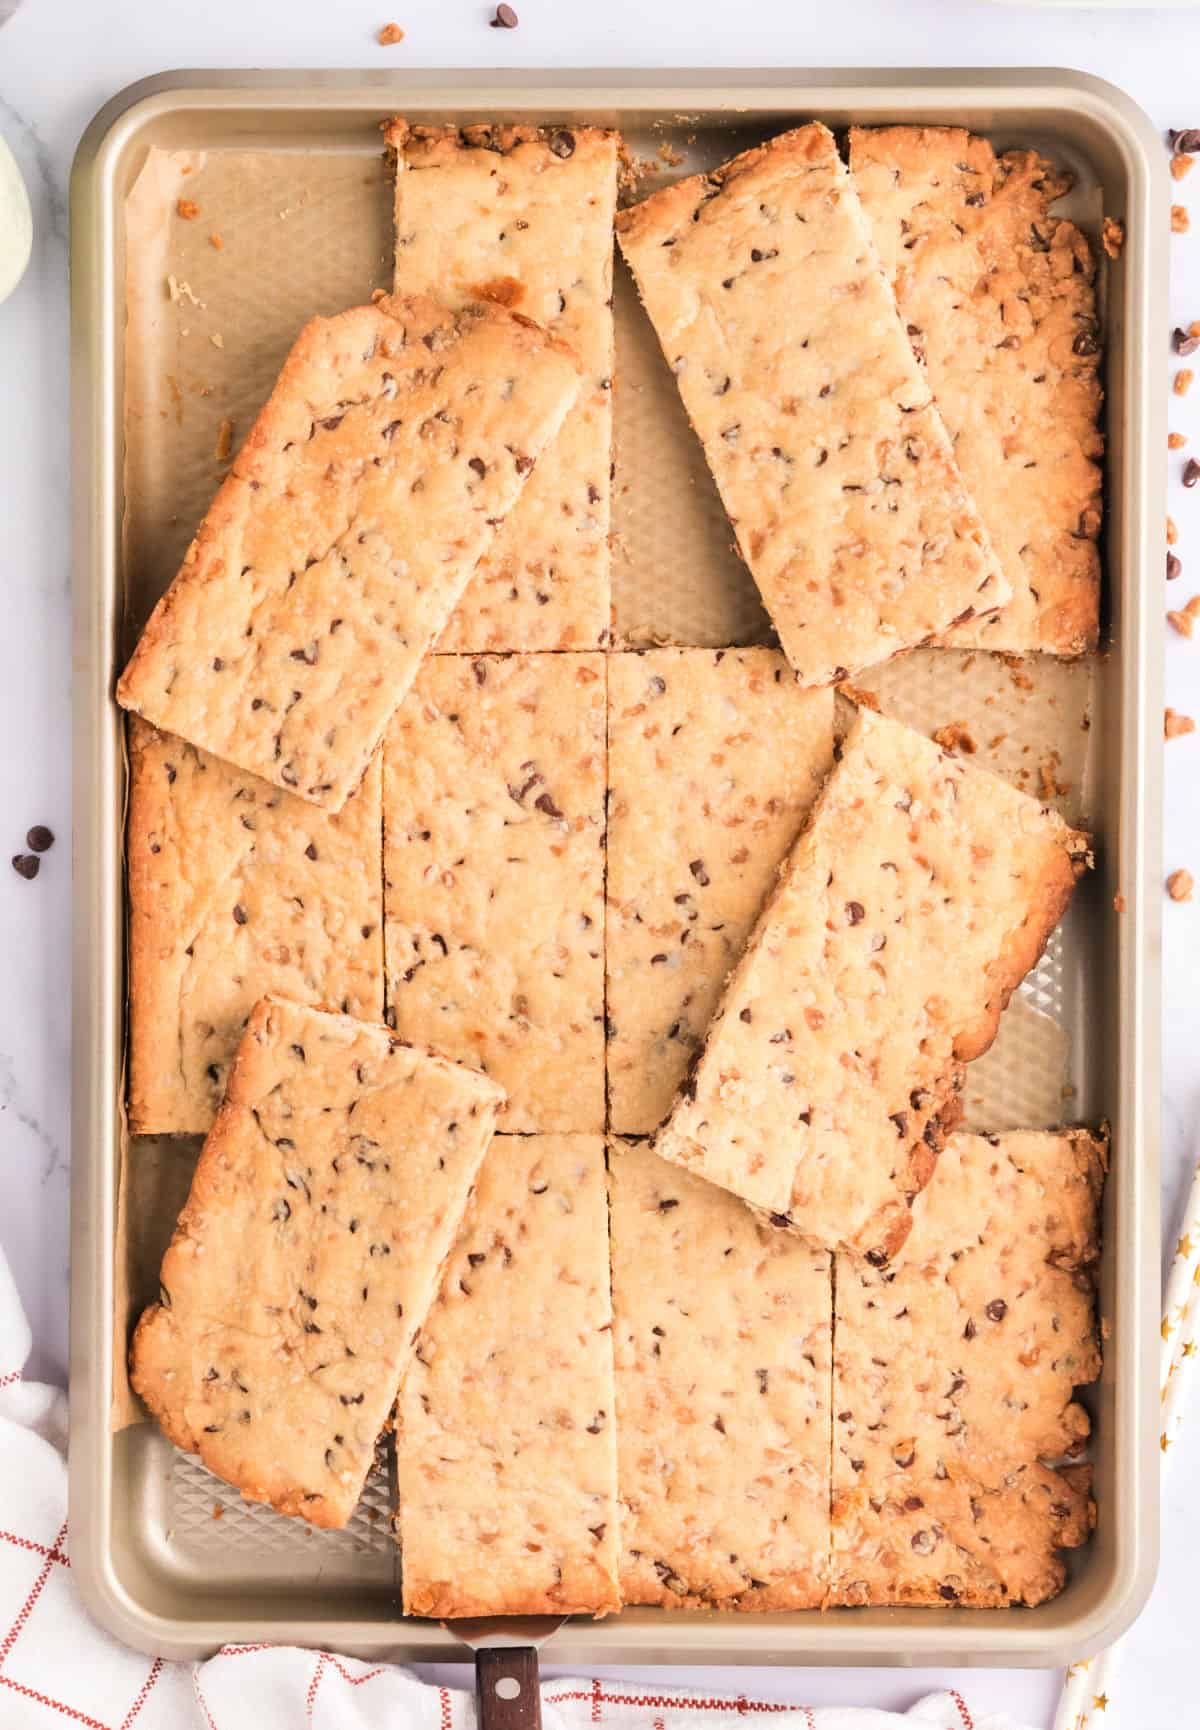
506	1688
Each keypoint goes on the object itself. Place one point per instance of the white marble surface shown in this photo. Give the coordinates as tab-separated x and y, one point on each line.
59	60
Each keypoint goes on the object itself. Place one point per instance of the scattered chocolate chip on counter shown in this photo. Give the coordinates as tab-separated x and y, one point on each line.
1186	341
1184	141
1176	725
505	19
39	839
1174	567
26	865
1191	472
1180	885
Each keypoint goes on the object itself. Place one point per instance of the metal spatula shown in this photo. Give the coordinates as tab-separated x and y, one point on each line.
505	1647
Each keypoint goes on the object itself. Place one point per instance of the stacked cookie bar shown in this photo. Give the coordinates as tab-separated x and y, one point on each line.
579	1029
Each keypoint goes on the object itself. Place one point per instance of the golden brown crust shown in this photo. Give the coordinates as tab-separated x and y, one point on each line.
396	439
999	298
522	216
816	420
324	1203
903	918
236	890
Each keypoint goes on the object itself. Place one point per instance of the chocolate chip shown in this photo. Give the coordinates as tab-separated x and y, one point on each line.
1174	567
696	867
900	1119
1086	343
782	1220
545	803
855	912
479	668
877	1258
763	1377
240	915
597	1423
947	1591
1185	341
997	1310
970	1330
478	465
923	1542
26	865
667	1203
1191	472
563	144
1185	142
40	839
505	19
745	1016
282	1209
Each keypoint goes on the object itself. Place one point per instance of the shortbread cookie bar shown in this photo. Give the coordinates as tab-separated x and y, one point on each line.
523	215
505	1444
328	1195
236	889
954	1381
999	298
397	438
494	877
722	1338
832	462
911	907
715	758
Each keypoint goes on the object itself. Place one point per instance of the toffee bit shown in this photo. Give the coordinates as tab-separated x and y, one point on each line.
389	35
1180	885
1180	220
1176	725
1183	381
187	208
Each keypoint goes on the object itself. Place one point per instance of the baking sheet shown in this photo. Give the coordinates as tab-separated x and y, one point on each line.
214	300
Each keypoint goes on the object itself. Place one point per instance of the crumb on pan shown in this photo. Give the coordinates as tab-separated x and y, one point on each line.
216	242
955	737
1180	885
1176	725
1112	236
389	35
224	441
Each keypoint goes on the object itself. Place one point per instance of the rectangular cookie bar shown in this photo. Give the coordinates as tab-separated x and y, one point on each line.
999	298
395	441
494	877
523	215
715	758
831	460
327	1197
954	1380
505	1442
236	889
722	1340
913	904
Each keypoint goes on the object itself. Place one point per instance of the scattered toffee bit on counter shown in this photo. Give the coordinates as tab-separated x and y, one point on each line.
389	35
39	839
1185	141
1176	725
1180	220
1180	885
1176	441
1183	381
1185	621
188	209
216	242
1174	567
26	865
1181	165
505	19
1172	532
1112	236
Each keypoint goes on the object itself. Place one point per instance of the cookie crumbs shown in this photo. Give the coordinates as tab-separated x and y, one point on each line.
1176	441
216	242
225	443
1048	783
187	208
1112	236
1176	725
669	154
1181	165
389	35
1180	220
1119	902
1180	885
955	737
861	698
217	340
178	290
218	1511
